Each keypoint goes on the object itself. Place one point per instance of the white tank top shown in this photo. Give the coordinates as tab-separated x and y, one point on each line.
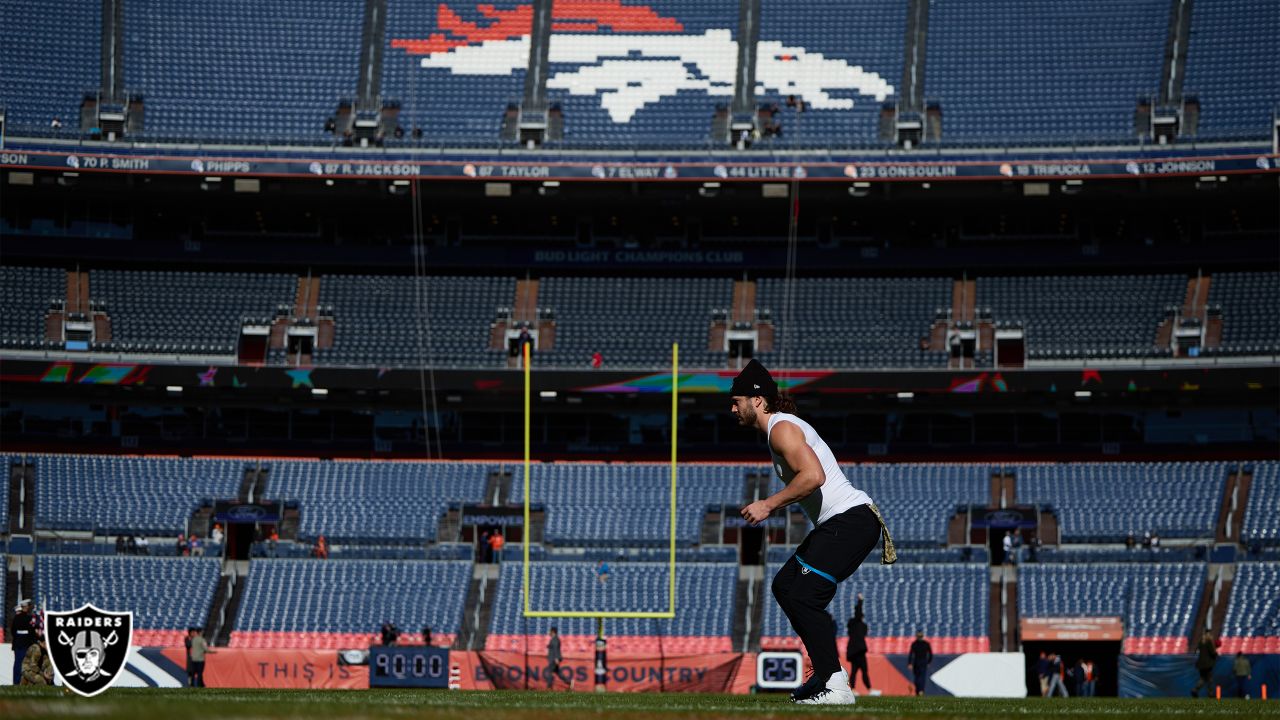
836	494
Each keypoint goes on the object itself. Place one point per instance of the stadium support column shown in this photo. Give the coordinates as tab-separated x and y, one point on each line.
532	126
372	119
912	121
742	111
1173	114
107	111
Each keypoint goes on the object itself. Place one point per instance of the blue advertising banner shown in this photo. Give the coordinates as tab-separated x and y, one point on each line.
340	164
1176	675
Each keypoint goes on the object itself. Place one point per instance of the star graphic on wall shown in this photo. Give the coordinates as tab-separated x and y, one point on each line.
301	378
206	377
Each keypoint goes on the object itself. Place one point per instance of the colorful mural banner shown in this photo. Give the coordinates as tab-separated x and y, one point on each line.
277	669
714	673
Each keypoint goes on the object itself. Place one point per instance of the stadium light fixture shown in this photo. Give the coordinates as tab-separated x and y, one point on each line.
547	394
709	189
173	389
860	189
319	392
906	395
1084	394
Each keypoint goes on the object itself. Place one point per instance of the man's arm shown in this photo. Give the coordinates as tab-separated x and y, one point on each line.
788	441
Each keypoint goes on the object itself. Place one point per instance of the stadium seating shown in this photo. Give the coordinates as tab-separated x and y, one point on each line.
919	499
1252	624
377	318
26	294
947	601
342	603
261	72
51	61
852	322
1156	602
128	495
1105	502
1086	555
1250	325
818	47
451	108
191	313
632	322
1261	521
1237	86
4	563
6	462
1103	317
166	595
1018	71
704	603
576	494
643	75
373	502
642	91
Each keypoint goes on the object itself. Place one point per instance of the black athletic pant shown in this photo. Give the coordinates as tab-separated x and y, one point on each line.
807	582
858	661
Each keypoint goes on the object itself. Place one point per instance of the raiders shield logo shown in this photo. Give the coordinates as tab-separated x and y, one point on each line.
88	647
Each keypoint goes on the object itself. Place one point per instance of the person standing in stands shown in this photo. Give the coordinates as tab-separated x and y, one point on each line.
846	527
426	635
1243	672
918	659
486	552
597	360
1206	658
856	651
199	648
22	633
496	541
553	657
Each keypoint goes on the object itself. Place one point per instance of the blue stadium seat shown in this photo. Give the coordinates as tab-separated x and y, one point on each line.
704	598
26	294
1228	69
632	322
1016	71
575	494
137	496
1261	521
353	597
943	600
852	322
374	502
1105	502
1152	600
164	594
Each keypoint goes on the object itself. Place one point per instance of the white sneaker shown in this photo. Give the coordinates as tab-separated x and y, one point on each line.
835	692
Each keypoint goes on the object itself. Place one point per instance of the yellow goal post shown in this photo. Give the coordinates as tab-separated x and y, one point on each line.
670	612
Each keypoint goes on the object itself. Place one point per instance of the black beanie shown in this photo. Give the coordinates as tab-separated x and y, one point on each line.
754	380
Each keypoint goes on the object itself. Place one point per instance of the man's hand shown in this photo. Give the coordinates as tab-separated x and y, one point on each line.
756	512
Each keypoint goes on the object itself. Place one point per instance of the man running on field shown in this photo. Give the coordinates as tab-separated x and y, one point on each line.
846	527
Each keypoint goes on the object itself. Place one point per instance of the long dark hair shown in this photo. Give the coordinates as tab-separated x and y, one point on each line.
780	403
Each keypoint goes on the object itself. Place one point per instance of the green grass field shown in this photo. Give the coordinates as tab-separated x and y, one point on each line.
149	704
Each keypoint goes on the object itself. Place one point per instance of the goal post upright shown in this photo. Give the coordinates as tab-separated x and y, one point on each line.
600	615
